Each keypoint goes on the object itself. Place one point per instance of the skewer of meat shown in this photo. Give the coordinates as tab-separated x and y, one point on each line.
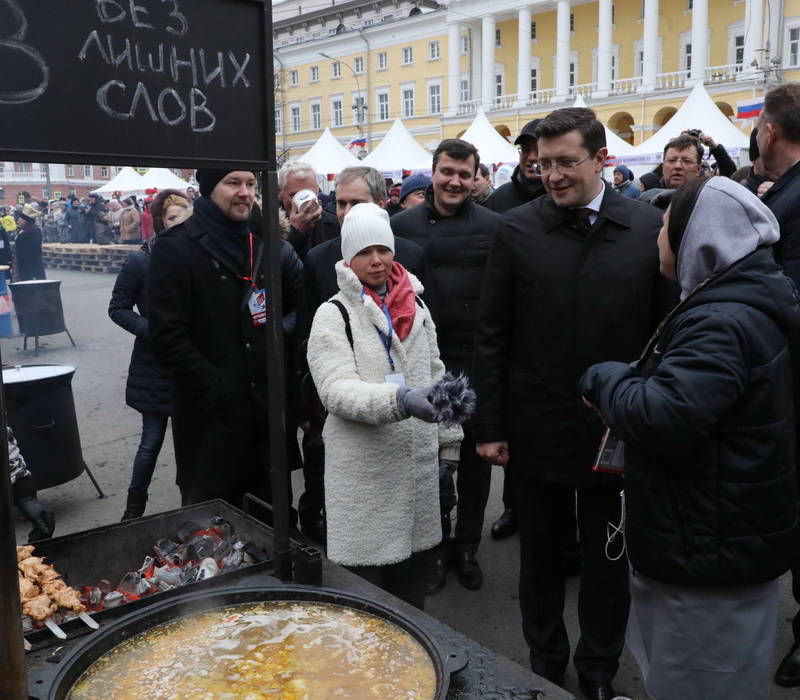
24	551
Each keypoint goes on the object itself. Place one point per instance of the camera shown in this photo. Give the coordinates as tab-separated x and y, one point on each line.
694	132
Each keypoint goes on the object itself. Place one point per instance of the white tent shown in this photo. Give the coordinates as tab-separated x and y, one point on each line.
492	147
616	146
126	180
697	112
163	179
327	155
398	150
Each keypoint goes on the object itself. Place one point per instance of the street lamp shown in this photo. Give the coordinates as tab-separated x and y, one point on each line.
360	105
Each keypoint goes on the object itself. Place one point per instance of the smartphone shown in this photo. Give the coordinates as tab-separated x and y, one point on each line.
610	455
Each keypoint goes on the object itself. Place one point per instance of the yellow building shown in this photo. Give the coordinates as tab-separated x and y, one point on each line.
358	65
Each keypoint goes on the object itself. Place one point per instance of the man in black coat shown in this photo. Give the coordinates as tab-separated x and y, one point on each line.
573	279
207	327
353	186
311	224
778	141
456	235
525	185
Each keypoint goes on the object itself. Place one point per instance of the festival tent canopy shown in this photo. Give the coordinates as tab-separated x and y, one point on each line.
126	180
162	179
327	155
697	112
616	146
492	147
398	150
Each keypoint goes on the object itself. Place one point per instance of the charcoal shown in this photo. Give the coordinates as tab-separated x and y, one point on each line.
201	547
187	528
222	527
188	576
113	599
254	554
208	569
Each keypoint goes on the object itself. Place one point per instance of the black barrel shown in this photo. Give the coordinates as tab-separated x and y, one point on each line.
38	307
41	412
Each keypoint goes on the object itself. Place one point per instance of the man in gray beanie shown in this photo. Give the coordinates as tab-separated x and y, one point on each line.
623	182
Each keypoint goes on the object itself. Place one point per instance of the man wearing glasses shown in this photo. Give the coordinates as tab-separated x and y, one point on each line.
572	279
525	184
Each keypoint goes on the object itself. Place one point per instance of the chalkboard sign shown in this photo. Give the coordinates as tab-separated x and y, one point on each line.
180	82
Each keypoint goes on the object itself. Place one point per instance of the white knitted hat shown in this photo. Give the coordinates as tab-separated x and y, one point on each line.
365	225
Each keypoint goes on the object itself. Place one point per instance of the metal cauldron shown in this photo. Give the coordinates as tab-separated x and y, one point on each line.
445	661
41	412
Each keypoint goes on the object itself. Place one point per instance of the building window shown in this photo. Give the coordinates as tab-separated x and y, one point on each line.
464	90
28	168
387	18
464	44
103	172
408	55
314	74
70	171
687	57
433	50
358	64
359	107
336	69
498	86
534	80
369	22
337	113
498	38
689	4
613	13
533	30
87	170
382	61
278	124
408	102
294	80
316	116
572	21
295	112
434	98
738	50
794	46
572	73
613	66
383	106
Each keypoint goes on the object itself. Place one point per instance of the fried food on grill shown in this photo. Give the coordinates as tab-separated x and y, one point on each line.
67	598
28	567
39	608
27	589
25	551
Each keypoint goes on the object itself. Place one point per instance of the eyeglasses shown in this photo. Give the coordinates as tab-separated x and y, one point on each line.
544	167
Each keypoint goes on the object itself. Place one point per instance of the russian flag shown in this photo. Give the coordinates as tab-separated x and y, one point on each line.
358	142
749	109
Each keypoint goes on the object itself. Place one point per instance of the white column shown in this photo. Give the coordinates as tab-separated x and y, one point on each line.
699	41
487	68
523	55
604	37
650	46
476	51
562	50
453	66
753	24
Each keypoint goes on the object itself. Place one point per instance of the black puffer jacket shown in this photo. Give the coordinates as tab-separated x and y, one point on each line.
456	249
707	421
518	191
149	385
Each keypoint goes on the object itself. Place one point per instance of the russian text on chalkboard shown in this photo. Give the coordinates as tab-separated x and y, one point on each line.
179	82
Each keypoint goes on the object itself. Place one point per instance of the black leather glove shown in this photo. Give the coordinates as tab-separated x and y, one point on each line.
414	402
40	517
447	484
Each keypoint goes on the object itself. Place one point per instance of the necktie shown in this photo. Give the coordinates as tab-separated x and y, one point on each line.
579	220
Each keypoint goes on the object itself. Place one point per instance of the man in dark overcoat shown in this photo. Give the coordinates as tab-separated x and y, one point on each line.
456	235
573	279
207	328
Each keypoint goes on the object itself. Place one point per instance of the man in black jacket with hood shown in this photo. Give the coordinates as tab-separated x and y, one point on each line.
456	235
207	326
525	185
573	278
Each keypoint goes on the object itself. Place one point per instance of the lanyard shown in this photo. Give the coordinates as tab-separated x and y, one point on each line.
251	278
387	340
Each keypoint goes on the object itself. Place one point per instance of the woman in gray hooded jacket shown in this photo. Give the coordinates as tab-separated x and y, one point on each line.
706	417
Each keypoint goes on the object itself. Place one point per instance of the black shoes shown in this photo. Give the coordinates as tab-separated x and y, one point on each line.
315	530
134	508
436	575
788	673
505	525
469	571
596	690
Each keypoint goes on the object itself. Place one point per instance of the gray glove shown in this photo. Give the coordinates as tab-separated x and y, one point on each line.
414	402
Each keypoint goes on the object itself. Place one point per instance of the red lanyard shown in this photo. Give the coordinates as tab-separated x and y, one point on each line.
251	278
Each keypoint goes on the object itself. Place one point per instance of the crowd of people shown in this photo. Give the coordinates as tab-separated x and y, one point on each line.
543	292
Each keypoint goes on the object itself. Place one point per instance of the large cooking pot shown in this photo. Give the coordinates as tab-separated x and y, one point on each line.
445	661
39	308
41	412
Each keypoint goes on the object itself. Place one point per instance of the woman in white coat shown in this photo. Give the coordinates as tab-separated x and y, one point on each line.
373	355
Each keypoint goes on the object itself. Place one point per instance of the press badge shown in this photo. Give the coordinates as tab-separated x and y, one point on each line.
258	307
395	378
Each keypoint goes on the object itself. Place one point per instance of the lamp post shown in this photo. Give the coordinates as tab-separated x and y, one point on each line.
360	105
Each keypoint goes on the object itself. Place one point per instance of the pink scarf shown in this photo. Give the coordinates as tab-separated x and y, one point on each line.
400	300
